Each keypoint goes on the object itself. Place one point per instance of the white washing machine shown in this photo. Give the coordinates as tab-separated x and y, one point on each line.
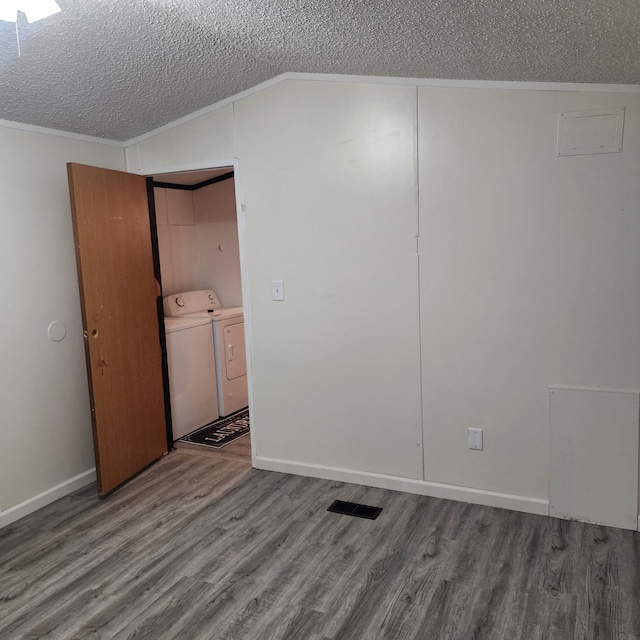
229	343
192	374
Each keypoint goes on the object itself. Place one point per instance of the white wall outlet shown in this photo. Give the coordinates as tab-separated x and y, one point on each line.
277	289
475	439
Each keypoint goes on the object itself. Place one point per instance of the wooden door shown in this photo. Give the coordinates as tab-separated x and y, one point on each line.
118	293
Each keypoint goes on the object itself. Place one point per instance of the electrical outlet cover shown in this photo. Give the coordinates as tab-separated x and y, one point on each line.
475	439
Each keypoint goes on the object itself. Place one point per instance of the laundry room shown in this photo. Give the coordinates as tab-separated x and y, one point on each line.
198	247
198	233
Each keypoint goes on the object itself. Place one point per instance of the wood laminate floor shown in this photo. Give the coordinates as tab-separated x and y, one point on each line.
199	547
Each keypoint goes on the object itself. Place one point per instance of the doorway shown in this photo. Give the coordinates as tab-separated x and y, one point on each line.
194	214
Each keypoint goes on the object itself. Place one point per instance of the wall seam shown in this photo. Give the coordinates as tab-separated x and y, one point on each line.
417	191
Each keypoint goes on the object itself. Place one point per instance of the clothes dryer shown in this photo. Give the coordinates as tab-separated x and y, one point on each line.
227	325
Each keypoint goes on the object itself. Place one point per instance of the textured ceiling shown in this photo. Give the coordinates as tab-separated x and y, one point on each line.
119	68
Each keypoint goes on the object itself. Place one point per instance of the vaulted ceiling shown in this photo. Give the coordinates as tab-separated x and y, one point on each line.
119	68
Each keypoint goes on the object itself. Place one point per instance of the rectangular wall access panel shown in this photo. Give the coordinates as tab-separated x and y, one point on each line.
594	456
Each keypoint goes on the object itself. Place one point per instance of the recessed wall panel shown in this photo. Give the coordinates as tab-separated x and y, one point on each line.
594	456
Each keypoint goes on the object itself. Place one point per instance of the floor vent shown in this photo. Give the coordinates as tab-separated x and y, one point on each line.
355	509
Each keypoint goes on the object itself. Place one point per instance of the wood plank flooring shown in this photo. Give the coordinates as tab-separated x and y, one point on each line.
203	548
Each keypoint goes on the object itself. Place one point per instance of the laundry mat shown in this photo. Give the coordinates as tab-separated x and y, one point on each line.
222	431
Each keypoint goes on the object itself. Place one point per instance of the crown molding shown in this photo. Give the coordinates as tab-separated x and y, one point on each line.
31	128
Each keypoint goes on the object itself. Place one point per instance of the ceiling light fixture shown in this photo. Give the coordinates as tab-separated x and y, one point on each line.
33	9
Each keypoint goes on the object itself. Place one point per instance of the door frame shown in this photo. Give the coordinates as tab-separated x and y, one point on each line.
244	277
155	252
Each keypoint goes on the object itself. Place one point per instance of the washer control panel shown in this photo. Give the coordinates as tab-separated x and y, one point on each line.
180	304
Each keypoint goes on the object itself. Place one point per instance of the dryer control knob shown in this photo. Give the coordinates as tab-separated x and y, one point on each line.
179	302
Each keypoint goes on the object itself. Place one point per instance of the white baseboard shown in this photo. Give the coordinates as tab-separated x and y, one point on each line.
46	497
408	485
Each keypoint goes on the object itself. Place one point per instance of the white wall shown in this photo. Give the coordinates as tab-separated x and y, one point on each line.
198	240
202	143
45	426
177	240
528	275
328	189
217	240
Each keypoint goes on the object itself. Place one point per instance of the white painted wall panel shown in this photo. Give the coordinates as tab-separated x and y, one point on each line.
217	236
160	203
594	456
166	268
184	260
177	240
206	141
45	423
329	190
179	207
529	265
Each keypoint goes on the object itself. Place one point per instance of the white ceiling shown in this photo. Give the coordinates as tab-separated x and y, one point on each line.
119	68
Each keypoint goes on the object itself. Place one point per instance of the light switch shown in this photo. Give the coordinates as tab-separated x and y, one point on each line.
277	289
